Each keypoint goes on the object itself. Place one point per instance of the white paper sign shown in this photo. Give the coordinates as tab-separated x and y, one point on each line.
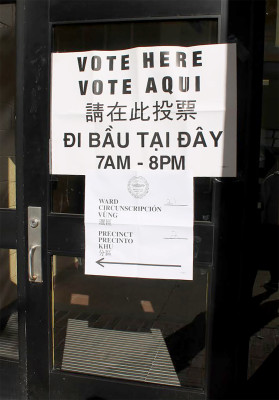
146	108
139	224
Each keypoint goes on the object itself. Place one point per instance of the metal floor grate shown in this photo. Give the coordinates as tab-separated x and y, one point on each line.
139	356
9	339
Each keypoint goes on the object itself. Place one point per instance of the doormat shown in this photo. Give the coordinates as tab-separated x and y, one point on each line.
137	356
9	339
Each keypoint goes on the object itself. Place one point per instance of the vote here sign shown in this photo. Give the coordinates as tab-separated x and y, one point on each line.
146	108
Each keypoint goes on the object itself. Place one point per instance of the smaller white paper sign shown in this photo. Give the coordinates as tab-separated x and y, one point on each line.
139	224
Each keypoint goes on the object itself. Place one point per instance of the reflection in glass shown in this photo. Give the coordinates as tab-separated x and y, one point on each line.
7	106
8	304
137	329
266	284
67	192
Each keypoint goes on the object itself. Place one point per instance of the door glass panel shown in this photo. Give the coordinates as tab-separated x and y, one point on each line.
67	192
8	305
8	262
135	329
7	106
264	327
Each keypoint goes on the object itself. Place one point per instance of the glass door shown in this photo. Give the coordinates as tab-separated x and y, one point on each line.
110	337
143	330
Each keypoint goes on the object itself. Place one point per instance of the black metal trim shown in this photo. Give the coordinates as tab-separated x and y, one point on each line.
7	1
66	238
92	10
20	229
66	234
235	213
93	387
136	19
33	57
9	388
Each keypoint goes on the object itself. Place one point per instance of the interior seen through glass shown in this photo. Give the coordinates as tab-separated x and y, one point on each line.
8	263
8	305
115	327
7	106
147	330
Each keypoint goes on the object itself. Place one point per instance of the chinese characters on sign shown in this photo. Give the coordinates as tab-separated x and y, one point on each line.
182	109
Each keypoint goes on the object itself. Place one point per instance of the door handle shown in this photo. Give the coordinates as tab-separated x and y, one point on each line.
32	275
34	245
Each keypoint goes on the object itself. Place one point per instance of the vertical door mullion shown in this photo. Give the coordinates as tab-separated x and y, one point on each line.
32	190
234	211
